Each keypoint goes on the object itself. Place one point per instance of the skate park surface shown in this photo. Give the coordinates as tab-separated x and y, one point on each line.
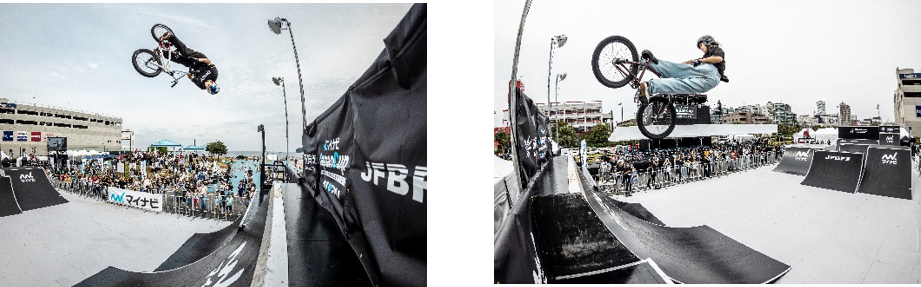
826	236
64	244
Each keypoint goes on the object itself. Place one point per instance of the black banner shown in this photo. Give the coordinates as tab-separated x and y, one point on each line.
889	139
532	132
889	129
870	133
365	159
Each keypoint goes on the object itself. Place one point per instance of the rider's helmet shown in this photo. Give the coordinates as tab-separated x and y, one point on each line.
706	39
213	89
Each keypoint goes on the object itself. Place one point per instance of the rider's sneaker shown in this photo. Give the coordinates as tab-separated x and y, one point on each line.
644	93
648	55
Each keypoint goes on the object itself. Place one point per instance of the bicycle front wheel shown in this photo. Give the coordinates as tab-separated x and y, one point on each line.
158	30
146	63
656	120
606	53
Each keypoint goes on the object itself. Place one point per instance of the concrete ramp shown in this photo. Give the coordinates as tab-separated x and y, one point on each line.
8	204
887	172
835	170
796	160
32	188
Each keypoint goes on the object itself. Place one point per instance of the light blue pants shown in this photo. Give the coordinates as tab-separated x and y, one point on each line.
678	78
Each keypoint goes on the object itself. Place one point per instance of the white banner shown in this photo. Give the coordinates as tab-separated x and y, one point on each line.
148	201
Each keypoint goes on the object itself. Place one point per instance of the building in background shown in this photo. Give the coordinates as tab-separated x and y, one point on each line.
27	126
127	140
820	108
844	115
781	113
907	100
580	115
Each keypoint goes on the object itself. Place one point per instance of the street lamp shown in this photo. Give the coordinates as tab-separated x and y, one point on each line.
280	81
555	42
277	25
559	77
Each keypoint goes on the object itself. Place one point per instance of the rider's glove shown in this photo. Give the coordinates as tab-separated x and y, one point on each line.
695	63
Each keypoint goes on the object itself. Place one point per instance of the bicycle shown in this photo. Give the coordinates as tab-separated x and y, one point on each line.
150	64
656	118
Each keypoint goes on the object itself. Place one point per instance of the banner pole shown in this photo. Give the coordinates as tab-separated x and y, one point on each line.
513	95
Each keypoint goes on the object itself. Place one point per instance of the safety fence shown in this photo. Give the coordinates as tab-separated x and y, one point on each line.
670	176
211	205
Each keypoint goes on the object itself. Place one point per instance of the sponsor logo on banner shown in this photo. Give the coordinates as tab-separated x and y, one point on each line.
889	139
36	136
147	201
22	136
890	159
859	131
838	158
26	177
801	156
335	166
686	112
7	136
396	177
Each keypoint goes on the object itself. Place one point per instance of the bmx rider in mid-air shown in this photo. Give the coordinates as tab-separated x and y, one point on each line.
201	71
690	77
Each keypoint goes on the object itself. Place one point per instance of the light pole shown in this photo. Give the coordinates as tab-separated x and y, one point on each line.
276	25
556	99
513	97
555	42
280	81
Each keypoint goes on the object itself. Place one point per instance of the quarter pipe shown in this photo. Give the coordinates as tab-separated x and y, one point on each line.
233	264
688	255
855	148
8	204
32	188
835	170
796	160
887	172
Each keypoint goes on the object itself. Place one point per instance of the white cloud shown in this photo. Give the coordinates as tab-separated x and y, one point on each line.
181	19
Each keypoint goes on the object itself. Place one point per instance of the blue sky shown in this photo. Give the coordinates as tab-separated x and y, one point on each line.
78	56
796	52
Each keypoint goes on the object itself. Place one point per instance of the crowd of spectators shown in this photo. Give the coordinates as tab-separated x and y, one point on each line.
186	176
625	164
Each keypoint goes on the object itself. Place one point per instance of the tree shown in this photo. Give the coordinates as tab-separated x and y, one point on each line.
598	136
160	149
217	148
502	138
564	135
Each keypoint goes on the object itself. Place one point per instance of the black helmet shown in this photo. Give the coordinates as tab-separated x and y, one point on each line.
706	39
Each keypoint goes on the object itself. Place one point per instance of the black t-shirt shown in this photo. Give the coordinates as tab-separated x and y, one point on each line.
201	73
715	50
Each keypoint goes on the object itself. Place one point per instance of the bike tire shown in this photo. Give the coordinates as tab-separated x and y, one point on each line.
603	63
157	30
670	118
141	60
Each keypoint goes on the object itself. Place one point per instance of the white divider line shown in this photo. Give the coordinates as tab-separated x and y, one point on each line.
273	259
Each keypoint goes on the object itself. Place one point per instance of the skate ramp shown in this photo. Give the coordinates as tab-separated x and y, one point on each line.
835	170
8	204
641	272
796	160
687	255
854	148
199	246
233	264
32	188
887	172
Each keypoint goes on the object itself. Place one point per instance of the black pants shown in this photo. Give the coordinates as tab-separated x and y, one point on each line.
185	56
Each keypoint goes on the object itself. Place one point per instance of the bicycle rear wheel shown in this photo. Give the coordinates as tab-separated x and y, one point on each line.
158	30
146	63
656	119
608	50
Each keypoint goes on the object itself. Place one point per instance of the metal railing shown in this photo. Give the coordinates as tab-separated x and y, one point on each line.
675	175
211	205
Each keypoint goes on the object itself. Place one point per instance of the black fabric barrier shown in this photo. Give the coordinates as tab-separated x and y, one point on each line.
367	162
515	258
532	137
870	133
889	139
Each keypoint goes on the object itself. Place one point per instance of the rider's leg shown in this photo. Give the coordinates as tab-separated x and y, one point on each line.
682	80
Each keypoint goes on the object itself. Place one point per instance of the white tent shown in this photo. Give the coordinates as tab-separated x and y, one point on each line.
826	134
802	134
505	187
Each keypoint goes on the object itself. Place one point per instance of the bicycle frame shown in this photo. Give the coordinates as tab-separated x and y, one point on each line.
621	66
176	74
